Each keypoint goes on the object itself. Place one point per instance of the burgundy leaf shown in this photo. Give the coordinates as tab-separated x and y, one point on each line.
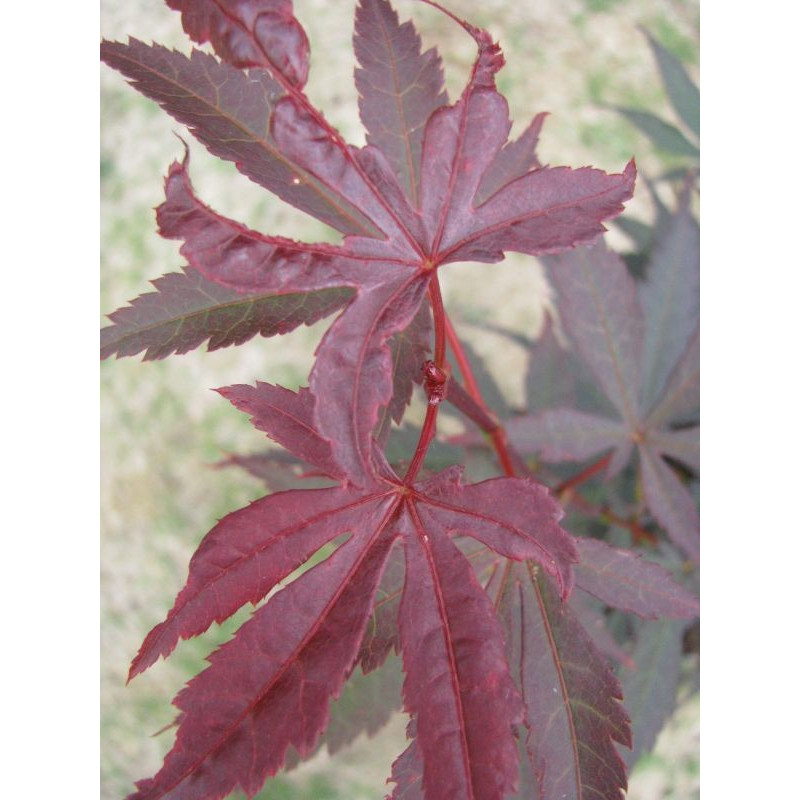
354	364
571	696
515	517
381	635
277	470
309	143
407	770
435	184
600	311
623	579
230	254
399	87
187	309
247	554
230	112
670	502
250	33
280	672
288	418
457	682
514	160
409	348
670	298
545	211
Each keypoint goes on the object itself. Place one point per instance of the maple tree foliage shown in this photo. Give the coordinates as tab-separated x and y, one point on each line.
477	586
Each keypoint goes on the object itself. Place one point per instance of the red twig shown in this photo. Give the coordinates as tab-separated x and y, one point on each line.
498	434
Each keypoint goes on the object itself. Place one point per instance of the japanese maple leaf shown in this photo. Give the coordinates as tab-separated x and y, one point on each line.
270	686
436	184
572	711
640	347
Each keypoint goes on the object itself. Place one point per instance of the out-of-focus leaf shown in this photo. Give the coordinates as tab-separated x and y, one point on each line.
640	233
623	579
664	136
490	391
670	502
651	688
670	298
603	318
557	377
683	93
681	395
565	435
683	445
366	704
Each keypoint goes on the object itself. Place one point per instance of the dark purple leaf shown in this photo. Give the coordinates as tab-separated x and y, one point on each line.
571	696
247	554
409	348
187	309
514	160
407	770
287	417
281	670
399	87
250	33
230	112
457	682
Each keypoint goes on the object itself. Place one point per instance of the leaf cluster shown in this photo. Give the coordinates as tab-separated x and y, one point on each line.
490	602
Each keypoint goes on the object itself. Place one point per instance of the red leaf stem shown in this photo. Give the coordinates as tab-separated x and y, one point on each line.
439	349
498	434
583	475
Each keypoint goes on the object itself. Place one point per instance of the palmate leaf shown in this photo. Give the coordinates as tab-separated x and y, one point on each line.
543	210
294	654
437	183
646	363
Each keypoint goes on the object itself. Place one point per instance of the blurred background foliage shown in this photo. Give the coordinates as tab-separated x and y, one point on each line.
163	429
